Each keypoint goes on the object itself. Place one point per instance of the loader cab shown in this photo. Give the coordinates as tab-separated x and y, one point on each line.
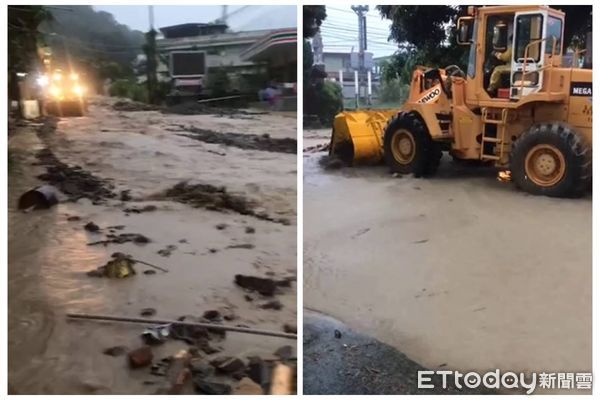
533	34
498	40
537	46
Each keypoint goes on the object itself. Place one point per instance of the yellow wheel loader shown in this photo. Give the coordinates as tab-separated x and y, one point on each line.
63	95
518	106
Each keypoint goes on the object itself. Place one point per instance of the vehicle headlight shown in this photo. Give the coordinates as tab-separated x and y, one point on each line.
78	90
55	91
43	80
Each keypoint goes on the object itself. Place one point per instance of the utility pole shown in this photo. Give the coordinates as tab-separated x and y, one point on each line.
151	81
223	15
362	41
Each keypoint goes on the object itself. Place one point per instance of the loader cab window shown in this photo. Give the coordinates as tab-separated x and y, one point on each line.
473	52
497	52
528	32
554	35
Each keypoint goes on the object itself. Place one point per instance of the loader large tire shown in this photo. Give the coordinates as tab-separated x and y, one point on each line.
408	148
551	159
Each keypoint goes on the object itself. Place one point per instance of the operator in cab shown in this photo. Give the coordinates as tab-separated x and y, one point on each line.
504	56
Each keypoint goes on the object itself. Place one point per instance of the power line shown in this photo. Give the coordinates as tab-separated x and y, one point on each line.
352	12
338	25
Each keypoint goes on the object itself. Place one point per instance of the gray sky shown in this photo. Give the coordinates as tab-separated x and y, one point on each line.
247	17
340	31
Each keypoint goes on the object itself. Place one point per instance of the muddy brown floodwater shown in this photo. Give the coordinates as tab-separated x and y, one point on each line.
139	155
459	270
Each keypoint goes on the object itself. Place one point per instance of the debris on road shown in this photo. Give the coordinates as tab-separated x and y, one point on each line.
331	162
136	238
284	352
148	312
247	246
317	148
228	365
264	286
248	387
91	227
216	198
193	108
205	325
115	351
290	328
128	105
39	198
119	267
73	181
241	140
272	305
166	252
282	381
212	315
137	210
209	387
141	357
157	334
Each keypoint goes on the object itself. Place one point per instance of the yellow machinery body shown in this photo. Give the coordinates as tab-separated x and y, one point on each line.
358	135
457	110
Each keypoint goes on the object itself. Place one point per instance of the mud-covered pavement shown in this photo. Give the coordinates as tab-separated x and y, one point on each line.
459	271
202	246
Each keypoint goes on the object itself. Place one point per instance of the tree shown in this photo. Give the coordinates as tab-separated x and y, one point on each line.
321	98
578	22
218	82
421	26
426	36
24	38
312	18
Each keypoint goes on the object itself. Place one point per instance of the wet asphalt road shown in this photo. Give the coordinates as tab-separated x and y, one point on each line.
338	360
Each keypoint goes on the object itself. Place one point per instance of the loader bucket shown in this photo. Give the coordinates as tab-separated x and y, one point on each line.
357	136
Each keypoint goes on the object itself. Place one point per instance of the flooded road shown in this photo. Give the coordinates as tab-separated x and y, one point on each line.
136	152
459	271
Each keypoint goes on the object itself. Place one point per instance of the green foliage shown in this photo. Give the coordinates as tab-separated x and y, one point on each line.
253	82
23	39
129	89
307	61
427	36
139	93
218	82
24	35
87	34
393	91
578	22
312	17
323	100
420	26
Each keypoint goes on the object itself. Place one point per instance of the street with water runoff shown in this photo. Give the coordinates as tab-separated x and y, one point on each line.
456	272
197	203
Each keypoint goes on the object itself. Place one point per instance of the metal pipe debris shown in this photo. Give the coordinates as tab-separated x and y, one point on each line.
196	324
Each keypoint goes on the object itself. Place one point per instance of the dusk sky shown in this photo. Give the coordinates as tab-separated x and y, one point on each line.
242	18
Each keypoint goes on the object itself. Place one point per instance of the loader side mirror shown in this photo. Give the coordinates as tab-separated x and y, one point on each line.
465	30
